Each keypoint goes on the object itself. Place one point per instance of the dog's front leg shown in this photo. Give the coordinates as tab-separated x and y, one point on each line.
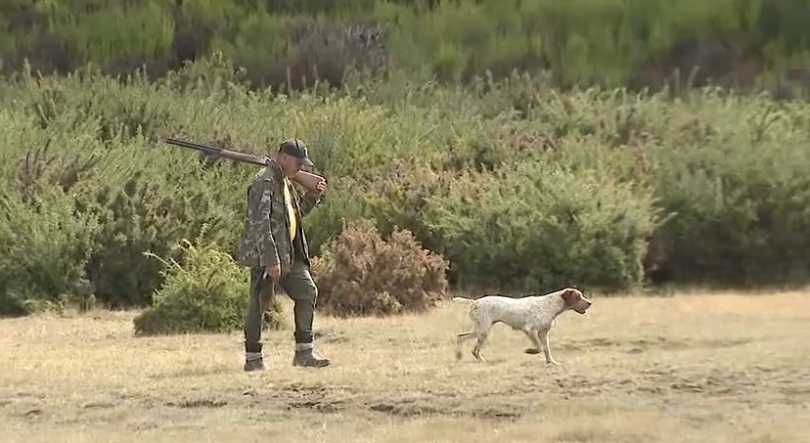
543	334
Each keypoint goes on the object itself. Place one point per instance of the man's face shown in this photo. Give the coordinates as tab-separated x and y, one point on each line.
290	165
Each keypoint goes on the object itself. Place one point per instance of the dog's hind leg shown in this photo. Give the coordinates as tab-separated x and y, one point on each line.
538	347
461	338
482	338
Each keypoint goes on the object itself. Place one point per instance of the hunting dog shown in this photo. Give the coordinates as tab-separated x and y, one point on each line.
532	314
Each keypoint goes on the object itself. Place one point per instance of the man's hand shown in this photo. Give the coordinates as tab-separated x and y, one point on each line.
274	272
320	186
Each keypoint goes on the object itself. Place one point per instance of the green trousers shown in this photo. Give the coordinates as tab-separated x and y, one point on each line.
298	284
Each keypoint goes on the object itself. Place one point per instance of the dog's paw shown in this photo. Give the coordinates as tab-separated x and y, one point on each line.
532	351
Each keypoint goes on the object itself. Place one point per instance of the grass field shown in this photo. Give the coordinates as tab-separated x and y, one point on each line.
690	368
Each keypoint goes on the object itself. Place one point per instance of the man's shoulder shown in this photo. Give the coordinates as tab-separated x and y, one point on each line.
266	175
262	175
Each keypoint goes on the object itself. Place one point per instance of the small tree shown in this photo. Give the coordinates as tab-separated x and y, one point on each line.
360	274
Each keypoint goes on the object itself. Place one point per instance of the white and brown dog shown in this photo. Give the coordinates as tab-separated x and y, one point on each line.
532	314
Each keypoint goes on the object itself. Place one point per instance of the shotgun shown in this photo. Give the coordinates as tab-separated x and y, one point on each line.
304	178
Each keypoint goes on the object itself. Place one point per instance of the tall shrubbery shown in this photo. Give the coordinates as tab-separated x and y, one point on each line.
518	185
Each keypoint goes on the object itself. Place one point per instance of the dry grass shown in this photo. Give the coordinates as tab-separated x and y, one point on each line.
697	368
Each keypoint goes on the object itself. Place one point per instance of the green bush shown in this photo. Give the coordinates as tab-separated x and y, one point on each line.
737	191
207	294
45	250
537	226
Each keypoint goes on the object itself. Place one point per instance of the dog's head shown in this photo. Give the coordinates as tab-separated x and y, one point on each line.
575	300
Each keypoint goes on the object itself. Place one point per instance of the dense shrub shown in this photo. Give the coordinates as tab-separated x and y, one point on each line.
144	198
361	274
206	294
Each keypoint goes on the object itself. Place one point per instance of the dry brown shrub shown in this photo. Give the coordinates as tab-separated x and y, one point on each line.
361	274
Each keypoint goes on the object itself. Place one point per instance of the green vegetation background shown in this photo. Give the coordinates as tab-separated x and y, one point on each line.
509	136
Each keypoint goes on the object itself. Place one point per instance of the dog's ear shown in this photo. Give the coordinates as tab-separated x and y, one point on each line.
570	295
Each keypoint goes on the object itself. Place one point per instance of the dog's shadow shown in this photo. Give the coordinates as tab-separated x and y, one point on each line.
488	361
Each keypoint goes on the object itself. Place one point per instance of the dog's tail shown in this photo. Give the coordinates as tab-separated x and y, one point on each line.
462	299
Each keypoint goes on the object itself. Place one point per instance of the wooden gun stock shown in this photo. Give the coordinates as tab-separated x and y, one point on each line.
308	180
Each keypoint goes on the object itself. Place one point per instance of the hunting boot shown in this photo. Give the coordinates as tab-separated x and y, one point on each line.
253	358
305	356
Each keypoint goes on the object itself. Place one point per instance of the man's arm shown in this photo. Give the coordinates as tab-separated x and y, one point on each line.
308	202
260	201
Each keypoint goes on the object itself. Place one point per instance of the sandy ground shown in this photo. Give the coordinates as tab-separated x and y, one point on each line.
698	368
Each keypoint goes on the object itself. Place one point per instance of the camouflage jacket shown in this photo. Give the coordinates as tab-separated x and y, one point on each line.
265	240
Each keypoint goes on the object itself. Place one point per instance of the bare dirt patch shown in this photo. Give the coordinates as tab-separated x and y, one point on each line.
687	368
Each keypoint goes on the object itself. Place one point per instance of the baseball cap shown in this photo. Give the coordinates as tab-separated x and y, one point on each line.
297	149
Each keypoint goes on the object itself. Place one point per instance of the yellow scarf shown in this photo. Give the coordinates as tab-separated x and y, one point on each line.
290	208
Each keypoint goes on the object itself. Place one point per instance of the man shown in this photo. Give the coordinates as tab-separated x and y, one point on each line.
275	248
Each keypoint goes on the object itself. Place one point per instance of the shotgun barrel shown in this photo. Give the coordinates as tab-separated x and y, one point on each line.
231	155
304	178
